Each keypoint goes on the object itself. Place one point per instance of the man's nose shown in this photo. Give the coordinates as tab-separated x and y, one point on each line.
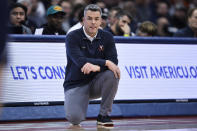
18	15
93	21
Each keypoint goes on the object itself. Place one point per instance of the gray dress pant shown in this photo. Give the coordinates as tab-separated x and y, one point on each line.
104	85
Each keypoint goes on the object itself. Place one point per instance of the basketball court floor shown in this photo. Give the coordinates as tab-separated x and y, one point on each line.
186	123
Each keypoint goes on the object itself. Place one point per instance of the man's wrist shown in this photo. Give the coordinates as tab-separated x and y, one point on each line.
126	35
99	69
106	62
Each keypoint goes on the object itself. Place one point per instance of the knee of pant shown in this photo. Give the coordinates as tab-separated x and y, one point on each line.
74	118
110	75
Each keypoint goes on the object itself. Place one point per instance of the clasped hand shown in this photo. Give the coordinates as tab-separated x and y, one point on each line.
88	68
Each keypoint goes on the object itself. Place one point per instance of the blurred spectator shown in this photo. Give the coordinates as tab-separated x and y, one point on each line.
101	4
162	27
179	17
147	28
35	13
162	8
3	36
18	16
55	2
55	15
81	2
80	18
193	4
111	3
130	6
121	25
75	14
38	7
3	30
191	29
112	13
104	17
143	10
67	8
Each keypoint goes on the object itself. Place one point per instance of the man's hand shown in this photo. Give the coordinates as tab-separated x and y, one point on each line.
126	29
114	68
88	67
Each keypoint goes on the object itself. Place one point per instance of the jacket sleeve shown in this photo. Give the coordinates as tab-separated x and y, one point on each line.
111	52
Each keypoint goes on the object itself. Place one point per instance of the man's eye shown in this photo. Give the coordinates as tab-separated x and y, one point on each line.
18	13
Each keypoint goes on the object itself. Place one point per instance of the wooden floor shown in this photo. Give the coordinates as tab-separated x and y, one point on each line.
127	124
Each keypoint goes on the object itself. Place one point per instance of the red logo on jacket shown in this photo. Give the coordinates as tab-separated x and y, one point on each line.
101	48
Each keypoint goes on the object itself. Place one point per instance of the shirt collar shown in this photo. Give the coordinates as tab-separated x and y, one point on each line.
88	36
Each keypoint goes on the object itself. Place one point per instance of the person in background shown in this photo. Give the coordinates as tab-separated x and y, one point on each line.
121	25
162	27
162	10
179	18
54	2
80	18
191	29
101	4
16	25
3	28
55	16
67	8
111	16
3	37
104	17
131	7
75	13
91	70
147	29
35	13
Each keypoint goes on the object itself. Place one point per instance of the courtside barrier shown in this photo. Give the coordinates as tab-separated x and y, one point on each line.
158	78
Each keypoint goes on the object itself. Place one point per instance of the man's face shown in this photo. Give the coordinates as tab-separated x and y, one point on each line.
66	7
120	23
56	20
193	20
17	15
124	20
92	22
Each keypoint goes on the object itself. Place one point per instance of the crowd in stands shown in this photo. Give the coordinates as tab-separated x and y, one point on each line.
165	18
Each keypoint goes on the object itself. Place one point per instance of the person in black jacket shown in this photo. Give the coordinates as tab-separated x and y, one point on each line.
55	16
3	28
18	16
3	37
191	29
91	70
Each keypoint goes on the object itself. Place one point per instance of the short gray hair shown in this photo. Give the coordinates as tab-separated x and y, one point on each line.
92	7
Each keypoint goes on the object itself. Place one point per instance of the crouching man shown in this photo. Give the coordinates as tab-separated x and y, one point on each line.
91	70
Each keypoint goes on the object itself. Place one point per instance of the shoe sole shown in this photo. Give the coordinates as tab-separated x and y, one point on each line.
105	124
105	127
